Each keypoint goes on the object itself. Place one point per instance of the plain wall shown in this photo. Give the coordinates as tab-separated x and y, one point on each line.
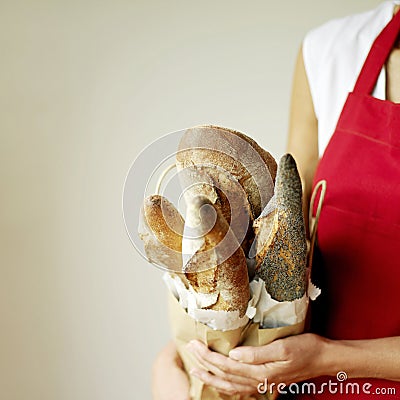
84	86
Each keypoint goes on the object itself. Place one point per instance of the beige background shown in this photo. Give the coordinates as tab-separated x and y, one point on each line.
84	86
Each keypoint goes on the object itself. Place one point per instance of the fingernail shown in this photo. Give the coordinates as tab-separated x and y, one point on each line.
235	355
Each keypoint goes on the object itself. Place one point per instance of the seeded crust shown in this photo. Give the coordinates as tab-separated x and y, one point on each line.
161	231
230	159
281	258
219	266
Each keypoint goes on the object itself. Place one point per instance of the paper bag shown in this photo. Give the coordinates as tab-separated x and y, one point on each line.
185	328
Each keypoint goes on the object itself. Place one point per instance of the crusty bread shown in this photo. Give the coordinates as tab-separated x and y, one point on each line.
161	230
263	227
226	193
240	170
218	267
256	182
281	238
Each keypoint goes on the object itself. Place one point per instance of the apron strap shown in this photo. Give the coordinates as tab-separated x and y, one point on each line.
377	56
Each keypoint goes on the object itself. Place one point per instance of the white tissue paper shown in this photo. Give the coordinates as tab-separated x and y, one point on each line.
262	308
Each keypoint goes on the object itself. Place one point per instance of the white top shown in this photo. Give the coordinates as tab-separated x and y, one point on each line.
333	56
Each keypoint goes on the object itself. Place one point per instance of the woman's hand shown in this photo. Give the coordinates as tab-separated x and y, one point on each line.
288	360
170	381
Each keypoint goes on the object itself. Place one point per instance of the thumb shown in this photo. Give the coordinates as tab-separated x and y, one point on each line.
258	355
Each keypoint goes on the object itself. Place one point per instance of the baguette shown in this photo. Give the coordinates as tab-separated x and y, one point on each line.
217	269
161	230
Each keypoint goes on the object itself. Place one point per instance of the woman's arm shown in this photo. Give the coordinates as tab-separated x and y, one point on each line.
169	380
303	128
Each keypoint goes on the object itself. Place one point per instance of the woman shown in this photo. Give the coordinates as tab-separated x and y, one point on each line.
359	229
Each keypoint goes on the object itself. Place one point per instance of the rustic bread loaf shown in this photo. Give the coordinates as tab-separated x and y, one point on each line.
217	268
161	229
242	173
281	259
226	193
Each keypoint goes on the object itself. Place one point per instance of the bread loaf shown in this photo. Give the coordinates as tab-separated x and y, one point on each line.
217	269
161	230
242	173
281	238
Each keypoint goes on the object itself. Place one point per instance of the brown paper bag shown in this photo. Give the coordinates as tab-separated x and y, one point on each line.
185	328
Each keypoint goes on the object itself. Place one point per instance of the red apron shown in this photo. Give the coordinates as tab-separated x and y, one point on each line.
359	227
